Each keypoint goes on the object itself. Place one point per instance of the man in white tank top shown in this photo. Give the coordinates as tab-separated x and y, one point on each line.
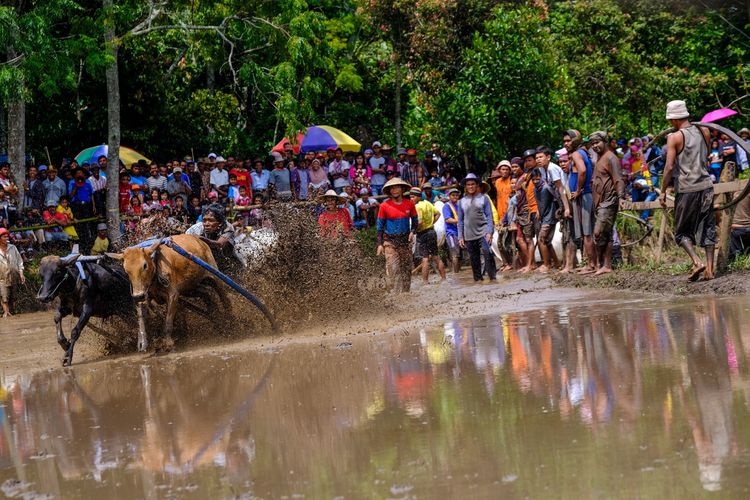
687	153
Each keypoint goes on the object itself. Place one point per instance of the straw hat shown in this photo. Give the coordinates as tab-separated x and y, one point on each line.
330	194
396	181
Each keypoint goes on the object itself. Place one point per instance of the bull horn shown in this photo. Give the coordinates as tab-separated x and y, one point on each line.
114	256
66	261
153	248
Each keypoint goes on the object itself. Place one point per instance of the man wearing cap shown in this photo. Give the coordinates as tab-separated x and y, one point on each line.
401	162
450	216
579	183
177	187
687	150
475	228
427	247
566	224
608	188
503	192
377	164
54	188
219	179
397	226
366	209
280	179
528	222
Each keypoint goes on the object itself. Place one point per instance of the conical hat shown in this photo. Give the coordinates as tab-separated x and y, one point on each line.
396	181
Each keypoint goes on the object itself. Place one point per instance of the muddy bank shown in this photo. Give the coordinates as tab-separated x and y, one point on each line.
735	283
28	342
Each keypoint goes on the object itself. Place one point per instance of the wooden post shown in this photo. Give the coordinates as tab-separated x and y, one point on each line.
662	230
725	227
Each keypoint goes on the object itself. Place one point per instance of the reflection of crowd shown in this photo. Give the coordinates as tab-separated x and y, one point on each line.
591	369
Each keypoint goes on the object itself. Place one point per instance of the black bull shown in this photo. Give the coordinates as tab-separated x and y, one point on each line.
105	292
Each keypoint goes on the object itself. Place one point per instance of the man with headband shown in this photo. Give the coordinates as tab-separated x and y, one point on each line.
687	150
608	189
579	182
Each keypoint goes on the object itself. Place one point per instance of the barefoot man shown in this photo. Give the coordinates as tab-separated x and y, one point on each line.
687	150
608	188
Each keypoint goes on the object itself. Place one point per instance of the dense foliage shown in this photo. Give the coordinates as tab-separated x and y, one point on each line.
482	77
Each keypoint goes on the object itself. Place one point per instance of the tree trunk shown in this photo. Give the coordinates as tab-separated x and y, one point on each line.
397	104
17	135
113	125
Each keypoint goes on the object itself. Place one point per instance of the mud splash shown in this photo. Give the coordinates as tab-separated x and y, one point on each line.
607	397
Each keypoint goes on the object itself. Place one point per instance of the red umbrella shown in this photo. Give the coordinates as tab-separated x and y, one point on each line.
718	114
279	148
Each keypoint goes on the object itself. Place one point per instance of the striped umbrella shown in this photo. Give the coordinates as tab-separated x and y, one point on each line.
92	154
322	137
319	138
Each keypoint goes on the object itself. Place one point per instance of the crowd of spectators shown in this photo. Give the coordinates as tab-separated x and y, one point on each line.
529	194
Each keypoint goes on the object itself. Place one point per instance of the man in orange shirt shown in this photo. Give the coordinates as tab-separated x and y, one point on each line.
503	188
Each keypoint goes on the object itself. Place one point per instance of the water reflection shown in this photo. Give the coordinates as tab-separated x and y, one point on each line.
631	398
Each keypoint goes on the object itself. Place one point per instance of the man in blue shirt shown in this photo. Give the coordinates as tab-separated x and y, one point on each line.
259	177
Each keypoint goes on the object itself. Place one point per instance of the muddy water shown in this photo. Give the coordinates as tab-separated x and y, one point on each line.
616	399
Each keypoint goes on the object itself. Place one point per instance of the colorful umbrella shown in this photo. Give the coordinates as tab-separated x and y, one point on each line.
718	114
322	137
279	148
92	154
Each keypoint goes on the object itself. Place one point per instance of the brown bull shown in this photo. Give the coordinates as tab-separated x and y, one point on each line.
159	273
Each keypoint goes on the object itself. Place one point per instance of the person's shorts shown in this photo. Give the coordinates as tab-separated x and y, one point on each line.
526	225
547	232
583	222
427	243
694	217
605	222
451	241
5	292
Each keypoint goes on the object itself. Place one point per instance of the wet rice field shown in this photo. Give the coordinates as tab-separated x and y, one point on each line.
615	399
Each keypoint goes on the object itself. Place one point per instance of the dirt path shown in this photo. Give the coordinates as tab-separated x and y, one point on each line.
28	341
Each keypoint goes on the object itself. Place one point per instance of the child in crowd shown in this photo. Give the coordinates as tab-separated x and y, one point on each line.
179	212
234	189
164	200
101	242
135	211
51	217
152	202
68	221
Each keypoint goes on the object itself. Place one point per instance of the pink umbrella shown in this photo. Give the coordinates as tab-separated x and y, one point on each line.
718	114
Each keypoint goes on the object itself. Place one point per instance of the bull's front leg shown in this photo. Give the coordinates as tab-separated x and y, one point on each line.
86	313
142	335
172	301
59	315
